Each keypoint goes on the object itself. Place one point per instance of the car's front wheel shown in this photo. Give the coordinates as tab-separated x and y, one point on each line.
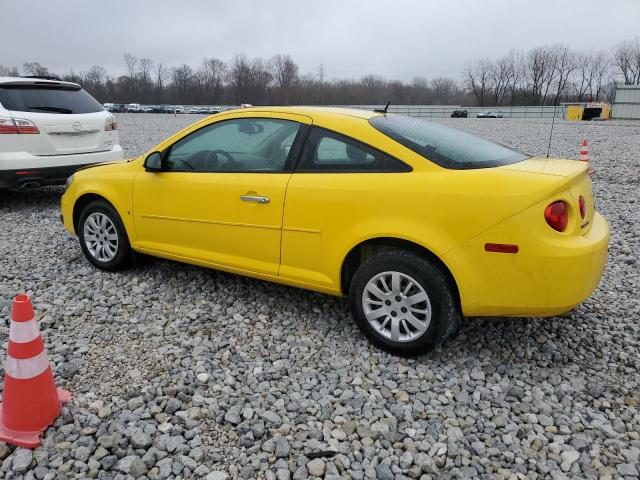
103	238
403	302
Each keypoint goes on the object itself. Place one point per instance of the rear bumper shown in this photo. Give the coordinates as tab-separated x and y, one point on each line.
543	279
22	169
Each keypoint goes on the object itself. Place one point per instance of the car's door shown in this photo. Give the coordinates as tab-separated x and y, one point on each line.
340	185
219	197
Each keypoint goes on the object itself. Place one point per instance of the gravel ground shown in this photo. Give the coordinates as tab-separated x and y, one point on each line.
182	372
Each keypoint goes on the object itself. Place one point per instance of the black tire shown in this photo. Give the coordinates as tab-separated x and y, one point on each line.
434	282
124	255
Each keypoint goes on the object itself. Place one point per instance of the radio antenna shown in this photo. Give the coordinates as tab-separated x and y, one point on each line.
383	110
551	132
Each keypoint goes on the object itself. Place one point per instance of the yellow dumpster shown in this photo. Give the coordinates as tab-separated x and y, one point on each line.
574	112
597	111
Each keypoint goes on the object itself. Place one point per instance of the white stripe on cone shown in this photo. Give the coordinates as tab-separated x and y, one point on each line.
24	332
23	369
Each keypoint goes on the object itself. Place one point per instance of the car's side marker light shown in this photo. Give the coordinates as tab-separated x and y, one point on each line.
501	248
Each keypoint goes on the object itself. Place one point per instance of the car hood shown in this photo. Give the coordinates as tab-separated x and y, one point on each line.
101	164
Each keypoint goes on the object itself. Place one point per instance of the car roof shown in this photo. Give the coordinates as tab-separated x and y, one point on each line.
35	81
314	112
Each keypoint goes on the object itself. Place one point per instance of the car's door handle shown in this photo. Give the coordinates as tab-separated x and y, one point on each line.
254	198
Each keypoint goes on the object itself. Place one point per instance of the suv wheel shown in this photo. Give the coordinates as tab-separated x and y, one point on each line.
103	238
403	303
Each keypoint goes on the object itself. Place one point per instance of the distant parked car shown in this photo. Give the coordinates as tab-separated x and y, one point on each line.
147	109
49	129
134	108
460	114
196	110
490	114
173	109
114	107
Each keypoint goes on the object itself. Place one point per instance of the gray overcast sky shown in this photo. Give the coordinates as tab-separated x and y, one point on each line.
397	39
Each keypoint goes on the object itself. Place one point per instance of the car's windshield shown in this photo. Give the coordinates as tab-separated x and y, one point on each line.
447	147
47	99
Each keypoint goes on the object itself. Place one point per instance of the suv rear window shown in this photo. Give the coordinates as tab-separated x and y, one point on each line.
47	99
447	147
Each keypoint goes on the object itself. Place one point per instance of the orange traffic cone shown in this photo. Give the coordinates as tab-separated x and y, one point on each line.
584	154
30	401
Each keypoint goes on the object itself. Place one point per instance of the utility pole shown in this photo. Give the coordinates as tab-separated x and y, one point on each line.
321	72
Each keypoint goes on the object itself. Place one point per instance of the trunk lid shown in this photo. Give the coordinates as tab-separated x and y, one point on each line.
67	134
578	183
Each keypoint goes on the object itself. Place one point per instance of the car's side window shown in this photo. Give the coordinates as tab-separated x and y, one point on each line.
238	145
327	151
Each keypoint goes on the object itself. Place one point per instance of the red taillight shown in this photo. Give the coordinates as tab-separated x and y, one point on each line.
7	125
110	124
557	215
583	206
17	126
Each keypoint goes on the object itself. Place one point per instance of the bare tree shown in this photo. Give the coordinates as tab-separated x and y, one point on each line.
130	80
477	78
626	59
34	68
240	77
539	73
420	92
211	76
564	65
144	70
582	78
285	76
8	71
161	76
598	75
590	76
143	79
130	61
96	75
444	90
181	82
501	73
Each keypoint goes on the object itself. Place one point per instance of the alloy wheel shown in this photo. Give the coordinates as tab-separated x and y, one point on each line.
396	306
100	237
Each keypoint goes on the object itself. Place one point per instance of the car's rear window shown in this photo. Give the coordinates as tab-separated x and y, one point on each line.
447	147
47	99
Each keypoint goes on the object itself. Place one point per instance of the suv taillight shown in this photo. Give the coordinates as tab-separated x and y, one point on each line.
110	124
557	215
17	126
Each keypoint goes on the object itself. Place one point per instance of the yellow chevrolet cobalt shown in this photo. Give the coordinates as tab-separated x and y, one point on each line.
417	224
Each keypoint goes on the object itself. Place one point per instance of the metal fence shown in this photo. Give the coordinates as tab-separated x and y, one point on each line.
441	111
437	111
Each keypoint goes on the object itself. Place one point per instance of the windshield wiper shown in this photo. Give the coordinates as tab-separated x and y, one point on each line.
51	109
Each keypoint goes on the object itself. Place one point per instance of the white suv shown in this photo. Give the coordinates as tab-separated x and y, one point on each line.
49	129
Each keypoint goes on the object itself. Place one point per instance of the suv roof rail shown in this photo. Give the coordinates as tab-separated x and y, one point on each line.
43	77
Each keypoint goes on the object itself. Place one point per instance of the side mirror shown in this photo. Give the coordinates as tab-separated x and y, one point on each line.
153	162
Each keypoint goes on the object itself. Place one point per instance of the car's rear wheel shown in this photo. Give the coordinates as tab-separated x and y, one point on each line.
403	302
103	238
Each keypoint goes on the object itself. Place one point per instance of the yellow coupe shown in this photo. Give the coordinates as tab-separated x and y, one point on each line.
418	224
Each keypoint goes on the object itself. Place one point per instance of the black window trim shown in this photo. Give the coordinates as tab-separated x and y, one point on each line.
304	151
289	164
